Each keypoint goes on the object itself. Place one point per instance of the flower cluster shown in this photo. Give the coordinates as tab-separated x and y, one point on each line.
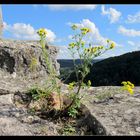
42	32
93	50
84	31
111	44
128	86
89	50
72	45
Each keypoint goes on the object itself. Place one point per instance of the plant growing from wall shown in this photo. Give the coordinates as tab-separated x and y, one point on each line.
52	86
86	53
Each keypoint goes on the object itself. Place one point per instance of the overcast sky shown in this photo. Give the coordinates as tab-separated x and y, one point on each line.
119	23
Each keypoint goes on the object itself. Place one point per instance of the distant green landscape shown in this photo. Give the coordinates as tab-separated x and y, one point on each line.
107	72
68	63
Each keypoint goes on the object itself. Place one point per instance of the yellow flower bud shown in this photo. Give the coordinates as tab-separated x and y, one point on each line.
89	83
112	45
72	45
101	47
82	43
71	86
74	27
108	41
124	83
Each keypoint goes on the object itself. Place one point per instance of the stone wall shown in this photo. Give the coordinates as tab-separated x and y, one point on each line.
16	58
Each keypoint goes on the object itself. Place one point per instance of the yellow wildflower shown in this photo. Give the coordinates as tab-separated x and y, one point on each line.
94	49
130	90
85	30
71	86
42	32
124	83
89	50
72	45
128	86
112	45
101	47
108	41
129	83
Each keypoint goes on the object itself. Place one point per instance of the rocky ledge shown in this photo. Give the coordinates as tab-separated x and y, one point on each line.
17	121
16	59
16	76
112	111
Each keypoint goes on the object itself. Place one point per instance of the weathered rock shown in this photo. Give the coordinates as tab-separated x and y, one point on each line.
17	77
120	116
111	111
8	84
10	126
16	58
39	104
16	121
15	65
138	129
117	114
